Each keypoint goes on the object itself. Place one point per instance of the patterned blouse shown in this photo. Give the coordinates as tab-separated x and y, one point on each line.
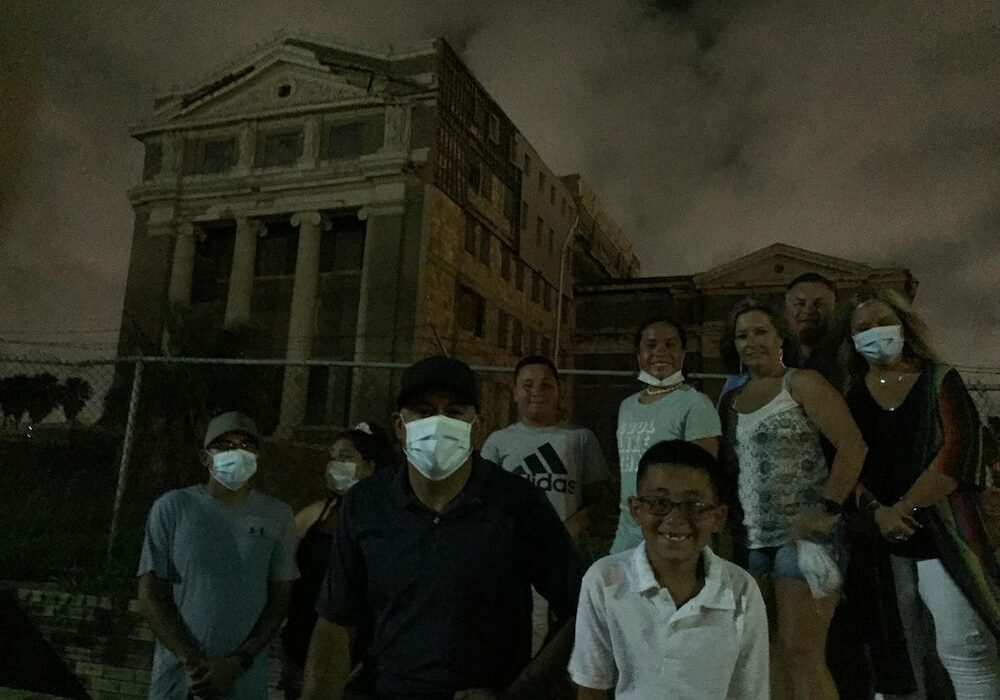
782	470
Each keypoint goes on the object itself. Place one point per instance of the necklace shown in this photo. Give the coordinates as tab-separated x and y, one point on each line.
882	380
660	391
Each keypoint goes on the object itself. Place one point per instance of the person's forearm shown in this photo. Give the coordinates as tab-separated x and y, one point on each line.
328	664
845	471
267	625
539	675
929	488
168	627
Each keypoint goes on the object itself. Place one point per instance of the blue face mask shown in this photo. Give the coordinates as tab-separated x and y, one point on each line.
233	468
880	345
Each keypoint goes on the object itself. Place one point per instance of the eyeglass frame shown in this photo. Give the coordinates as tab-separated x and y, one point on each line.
249	445
702	509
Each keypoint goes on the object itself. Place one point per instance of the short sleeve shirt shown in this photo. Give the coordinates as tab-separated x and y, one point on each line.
684	414
219	557
559	459
630	635
447	595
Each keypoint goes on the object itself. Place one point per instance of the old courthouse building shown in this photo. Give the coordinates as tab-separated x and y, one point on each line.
361	206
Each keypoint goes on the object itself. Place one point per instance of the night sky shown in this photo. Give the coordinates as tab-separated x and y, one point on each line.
868	130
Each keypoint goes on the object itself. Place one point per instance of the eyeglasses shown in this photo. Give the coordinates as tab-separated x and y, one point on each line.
226	445
662	507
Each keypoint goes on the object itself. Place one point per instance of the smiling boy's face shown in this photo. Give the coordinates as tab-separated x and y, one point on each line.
694	515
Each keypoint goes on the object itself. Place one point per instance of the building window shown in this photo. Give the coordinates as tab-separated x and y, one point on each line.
153	162
505	262
503	328
494	128
543	347
213	260
487	184
562	206
209	155
470	311
524	216
277	251
471	236
541	181
527	165
279	148
342	247
547	297
353	139
485	244
552	194
519	276
474	177
552	241
536	286
539	231
532	342
516	339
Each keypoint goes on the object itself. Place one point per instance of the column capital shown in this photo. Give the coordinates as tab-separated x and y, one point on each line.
310	217
256	226
187	228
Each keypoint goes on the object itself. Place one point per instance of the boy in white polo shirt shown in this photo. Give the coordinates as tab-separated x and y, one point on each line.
669	618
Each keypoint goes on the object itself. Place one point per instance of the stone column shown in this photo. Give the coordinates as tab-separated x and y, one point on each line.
302	322
241	275
310	143
246	146
182	270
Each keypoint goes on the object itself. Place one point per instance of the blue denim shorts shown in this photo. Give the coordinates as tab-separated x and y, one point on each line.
783	561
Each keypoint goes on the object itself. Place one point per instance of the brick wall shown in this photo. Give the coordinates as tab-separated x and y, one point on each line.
103	641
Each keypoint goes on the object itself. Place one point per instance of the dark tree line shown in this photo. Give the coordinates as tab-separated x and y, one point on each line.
37	395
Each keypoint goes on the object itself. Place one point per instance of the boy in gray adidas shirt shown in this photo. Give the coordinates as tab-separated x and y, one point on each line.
563	460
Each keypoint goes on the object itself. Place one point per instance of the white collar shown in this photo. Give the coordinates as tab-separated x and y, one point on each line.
712	595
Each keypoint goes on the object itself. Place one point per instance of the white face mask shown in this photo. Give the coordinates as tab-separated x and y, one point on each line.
675	378
438	445
881	344
233	468
341	476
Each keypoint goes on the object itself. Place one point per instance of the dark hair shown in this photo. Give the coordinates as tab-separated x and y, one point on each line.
789	343
535	360
917	344
374	446
812	277
660	319
680	453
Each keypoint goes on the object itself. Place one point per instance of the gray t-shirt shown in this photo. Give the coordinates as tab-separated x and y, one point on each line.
684	414
219	558
559	459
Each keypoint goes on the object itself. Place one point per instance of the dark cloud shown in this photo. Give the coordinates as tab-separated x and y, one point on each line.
864	129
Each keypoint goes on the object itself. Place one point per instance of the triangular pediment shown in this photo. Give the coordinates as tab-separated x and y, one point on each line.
778	264
280	78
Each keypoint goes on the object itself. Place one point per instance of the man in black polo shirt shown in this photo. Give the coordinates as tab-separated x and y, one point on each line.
433	564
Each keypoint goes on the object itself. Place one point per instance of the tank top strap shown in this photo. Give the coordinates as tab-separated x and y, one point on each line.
786	380
330	503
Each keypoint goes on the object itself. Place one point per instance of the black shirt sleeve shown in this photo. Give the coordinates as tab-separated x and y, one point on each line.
554	568
343	596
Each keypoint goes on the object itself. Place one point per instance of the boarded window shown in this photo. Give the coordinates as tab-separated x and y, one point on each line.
485	244
527	165
204	156
153	162
505	261
519	276
213	260
470	311
547	296
503	328
536	286
342	245
352	139
279	148
277	251
524	216
539	231
494	128
552	242
541	181
516	340
471	235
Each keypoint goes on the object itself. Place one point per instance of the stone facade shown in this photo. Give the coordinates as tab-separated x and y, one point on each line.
357	206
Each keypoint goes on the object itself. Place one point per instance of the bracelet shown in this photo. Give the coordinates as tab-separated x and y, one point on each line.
869	507
908	503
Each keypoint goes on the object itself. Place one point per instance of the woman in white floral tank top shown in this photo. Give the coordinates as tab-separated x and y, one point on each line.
786	489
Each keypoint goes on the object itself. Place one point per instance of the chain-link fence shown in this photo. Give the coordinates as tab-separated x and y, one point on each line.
87	446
